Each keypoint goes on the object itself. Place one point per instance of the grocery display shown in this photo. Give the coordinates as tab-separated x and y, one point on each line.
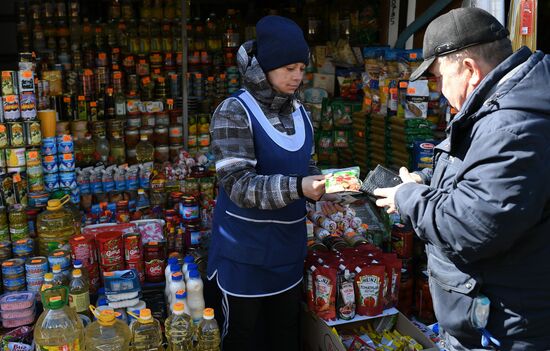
108	189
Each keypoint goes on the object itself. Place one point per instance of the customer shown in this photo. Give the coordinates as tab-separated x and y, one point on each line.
485	213
262	139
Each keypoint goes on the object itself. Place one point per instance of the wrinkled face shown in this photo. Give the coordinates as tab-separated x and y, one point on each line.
453	80
286	79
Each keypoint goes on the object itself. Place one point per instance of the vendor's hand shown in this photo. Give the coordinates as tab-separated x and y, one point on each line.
313	186
330	204
407	177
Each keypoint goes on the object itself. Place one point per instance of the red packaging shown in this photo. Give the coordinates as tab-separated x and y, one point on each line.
93	274
402	240
111	248
140	269
392	280
155	260
132	248
324	279
83	249
309	288
369	285
111	268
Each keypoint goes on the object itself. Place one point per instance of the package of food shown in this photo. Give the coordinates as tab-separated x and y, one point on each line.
150	230
324	279
369	285
417	98
343	181
345	306
15	301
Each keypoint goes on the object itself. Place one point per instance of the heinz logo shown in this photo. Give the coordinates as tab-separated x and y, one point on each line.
427	146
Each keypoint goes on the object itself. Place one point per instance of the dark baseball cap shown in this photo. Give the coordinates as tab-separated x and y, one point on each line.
456	30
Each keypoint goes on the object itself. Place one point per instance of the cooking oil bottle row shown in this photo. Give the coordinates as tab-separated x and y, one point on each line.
59	327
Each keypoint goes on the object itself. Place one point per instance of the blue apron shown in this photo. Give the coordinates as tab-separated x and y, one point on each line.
257	252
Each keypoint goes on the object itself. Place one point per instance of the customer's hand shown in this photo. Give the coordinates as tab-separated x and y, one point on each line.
407	177
313	186
330	204
387	195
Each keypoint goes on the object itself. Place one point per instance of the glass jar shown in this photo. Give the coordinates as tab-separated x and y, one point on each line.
162	153
161	135
148	131
133	121
175	150
148	119
162	119
18	222
132	137
192	233
189	208
176	134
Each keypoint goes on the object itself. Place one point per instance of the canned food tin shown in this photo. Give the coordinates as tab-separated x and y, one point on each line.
51	182
15	157
66	162
34	283
14	284
26	81
23	247
65	144
11	108
49	164
35	178
38	199
16	134
13	268
32	157
68	180
4	140
49	146
36	266
111	248
75	195
33	133
132	248
60	257
27	105
9	83
5	250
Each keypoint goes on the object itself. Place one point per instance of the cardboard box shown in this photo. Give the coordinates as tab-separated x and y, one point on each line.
318	336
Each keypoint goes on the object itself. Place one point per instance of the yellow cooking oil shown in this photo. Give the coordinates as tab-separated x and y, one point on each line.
55	226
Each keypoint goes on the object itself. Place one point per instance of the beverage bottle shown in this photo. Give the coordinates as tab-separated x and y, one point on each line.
190	267
176	284
208	332
102	149
58	327
107	333
146	333
186	261
118	150
145	151
142	200
77	264
231	35
87	149
213	36
47	284
79	293
109	104
179	329
59	278
54	226
195	296
181	296
168	271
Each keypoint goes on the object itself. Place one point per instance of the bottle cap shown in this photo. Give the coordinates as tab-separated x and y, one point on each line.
177	277
77	264
194	273
107	317
192	266
145	314
175	268
181	294
208	313
189	259
172	260
77	273
56	302
56	268
178	308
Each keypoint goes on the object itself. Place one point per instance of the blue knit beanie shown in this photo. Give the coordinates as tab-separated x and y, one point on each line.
279	42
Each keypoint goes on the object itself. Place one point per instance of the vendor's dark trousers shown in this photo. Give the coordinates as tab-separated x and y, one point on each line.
263	323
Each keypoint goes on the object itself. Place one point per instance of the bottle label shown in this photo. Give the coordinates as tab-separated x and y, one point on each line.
74	346
80	302
120	108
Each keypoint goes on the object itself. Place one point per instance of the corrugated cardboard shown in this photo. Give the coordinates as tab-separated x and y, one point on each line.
318	336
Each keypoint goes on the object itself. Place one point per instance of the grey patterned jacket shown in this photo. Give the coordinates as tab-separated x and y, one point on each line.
233	144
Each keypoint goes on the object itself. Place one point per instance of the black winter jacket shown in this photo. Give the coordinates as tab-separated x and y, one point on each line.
485	217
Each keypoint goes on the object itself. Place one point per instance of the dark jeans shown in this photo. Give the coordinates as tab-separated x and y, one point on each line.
262	323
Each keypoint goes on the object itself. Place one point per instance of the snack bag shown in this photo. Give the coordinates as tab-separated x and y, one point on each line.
344	180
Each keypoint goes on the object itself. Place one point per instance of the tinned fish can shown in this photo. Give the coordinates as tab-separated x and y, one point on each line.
33	133
38	199
36	266
11	108
15	157
23	247
68	180
16	134
27	105
5	250
16	283
34	283
13	268
60	257
51	182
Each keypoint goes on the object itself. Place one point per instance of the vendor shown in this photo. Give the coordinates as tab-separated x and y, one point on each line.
262	140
